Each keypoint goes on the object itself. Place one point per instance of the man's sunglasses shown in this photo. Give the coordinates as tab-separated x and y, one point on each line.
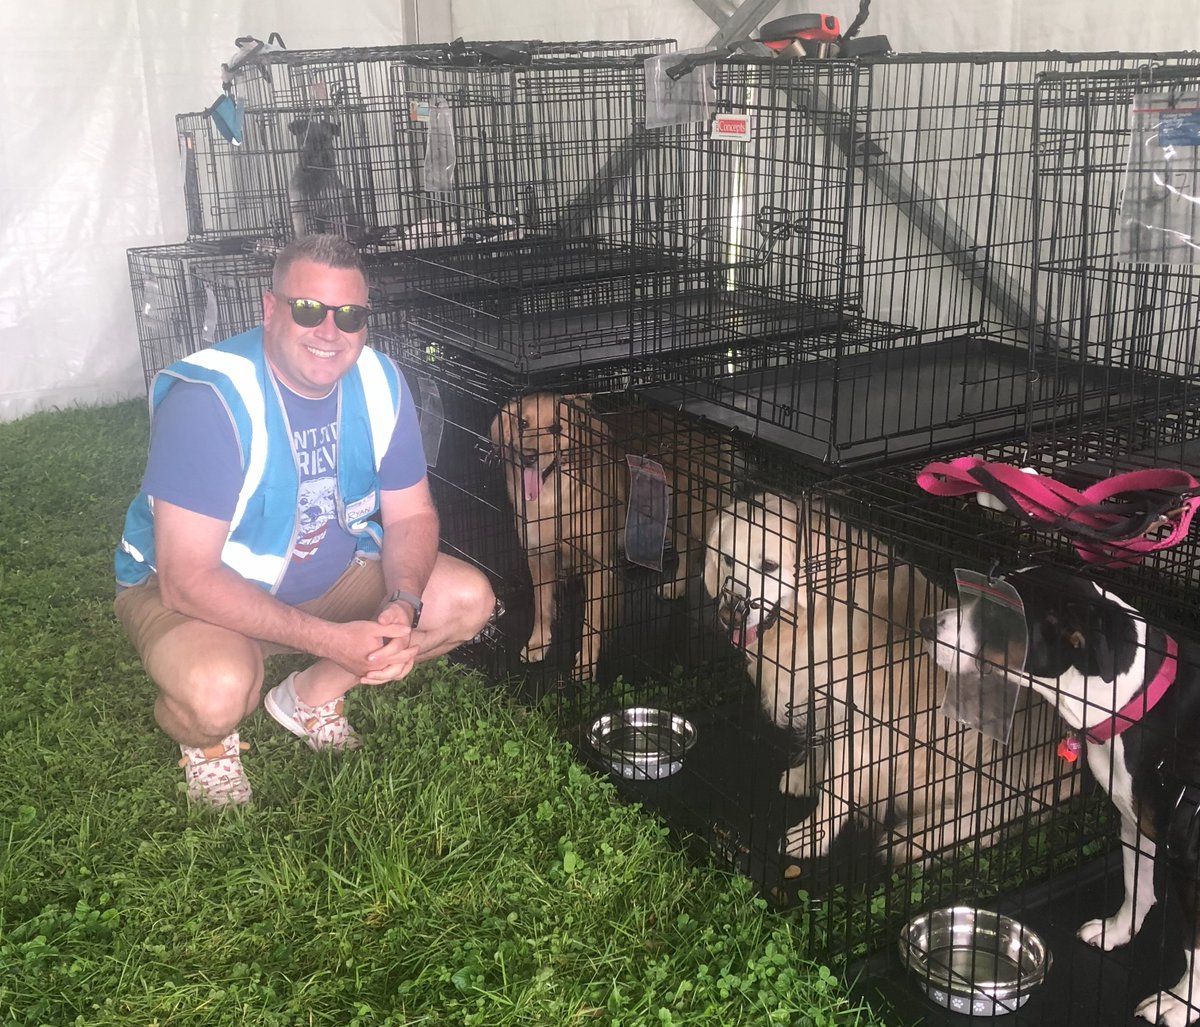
349	317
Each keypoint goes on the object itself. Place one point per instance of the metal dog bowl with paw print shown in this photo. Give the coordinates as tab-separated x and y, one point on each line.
974	961
642	743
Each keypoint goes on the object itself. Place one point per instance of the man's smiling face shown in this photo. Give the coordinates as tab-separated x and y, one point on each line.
310	361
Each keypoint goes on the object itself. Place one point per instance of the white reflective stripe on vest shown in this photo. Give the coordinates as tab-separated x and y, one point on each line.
132	550
244	376
251	565
380	405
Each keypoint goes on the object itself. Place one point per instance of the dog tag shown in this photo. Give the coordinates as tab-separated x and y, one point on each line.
982	692
431	419
646	514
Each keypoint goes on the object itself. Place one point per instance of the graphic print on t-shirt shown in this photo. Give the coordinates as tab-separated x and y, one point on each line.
316	457
317	509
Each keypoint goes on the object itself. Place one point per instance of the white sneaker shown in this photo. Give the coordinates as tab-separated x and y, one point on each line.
214	773
322	727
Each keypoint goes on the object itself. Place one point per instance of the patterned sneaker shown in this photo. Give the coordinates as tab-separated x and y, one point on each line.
214	773
322	727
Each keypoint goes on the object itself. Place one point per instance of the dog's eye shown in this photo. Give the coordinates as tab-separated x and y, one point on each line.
524	425
727	561
769	566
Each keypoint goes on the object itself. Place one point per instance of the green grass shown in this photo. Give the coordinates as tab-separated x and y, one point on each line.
461	869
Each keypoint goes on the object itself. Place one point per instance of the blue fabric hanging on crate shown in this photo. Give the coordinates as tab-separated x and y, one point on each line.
229	116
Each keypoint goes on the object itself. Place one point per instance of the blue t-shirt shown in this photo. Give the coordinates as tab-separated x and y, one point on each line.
195	463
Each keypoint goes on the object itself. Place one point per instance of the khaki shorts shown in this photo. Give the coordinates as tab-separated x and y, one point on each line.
356	595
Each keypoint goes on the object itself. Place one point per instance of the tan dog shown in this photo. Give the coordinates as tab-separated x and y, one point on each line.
567	481
827	617
562	476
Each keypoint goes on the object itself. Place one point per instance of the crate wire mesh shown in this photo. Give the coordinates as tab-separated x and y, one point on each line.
940	231
1133	319
639	243
834	682
346	116
1064	866
513	528
472	453
1131	324
189	295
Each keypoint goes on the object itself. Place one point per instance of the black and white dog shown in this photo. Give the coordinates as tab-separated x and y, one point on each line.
1132	694
319	201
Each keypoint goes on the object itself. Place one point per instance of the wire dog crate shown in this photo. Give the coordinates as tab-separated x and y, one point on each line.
189	295
1063	865
1130	322
941	243
532	487
638	243
186	296
335	140
1115	276
814	758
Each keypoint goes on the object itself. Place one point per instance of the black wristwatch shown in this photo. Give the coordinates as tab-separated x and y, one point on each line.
414	601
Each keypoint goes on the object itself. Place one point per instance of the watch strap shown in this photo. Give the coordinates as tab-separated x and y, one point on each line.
400	596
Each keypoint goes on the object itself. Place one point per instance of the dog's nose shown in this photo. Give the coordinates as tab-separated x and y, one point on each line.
929	629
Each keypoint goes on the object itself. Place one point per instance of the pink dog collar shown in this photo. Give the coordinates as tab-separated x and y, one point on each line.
1140	704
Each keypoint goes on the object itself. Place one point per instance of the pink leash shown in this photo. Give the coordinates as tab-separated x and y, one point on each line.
1116	521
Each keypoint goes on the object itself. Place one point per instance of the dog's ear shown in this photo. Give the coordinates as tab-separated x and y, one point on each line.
503	426
1085	633
299	126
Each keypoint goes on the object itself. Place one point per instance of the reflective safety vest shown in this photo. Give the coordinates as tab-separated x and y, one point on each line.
265	522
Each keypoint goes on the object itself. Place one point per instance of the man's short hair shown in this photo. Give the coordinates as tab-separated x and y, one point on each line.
326	250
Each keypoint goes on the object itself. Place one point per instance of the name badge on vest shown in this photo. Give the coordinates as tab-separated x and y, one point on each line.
360	509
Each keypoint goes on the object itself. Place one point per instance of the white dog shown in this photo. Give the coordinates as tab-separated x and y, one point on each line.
826	615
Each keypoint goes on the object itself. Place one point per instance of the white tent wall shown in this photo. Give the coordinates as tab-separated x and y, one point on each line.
89	167
89	164
910	25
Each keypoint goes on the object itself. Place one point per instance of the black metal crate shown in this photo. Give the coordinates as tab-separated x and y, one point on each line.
335	140
458	401
1114	295
189	295
1065	867
941	345
656	240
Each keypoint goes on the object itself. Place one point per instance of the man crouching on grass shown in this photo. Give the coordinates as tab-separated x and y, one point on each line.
255	531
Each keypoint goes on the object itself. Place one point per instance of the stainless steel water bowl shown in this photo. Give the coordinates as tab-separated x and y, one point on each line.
642	743
974	961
